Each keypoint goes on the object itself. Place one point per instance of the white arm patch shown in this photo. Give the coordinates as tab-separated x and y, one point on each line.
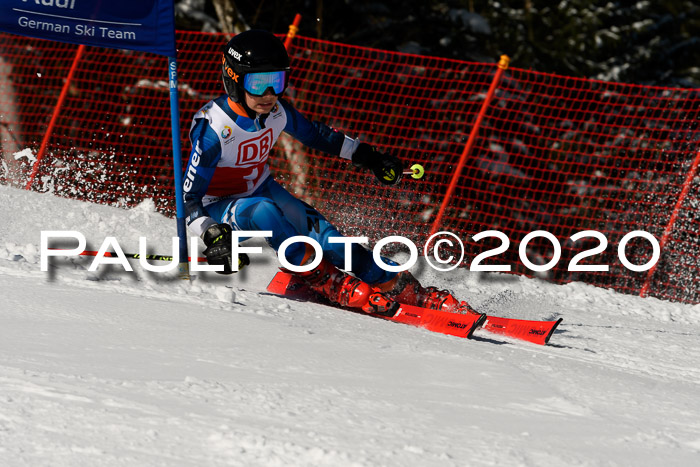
349	146
200	225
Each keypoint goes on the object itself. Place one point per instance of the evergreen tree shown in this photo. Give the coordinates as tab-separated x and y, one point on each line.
641	42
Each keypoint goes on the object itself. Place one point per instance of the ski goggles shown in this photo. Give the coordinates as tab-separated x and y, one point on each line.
257	83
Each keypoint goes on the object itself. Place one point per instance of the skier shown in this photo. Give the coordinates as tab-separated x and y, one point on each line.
227	183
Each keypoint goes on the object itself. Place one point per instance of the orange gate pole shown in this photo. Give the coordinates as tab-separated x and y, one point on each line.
54	116
672	220
502	66
293	29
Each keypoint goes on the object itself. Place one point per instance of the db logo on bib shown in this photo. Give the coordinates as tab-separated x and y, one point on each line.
255	150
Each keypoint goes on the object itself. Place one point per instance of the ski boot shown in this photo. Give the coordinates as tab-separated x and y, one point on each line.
346	290
404	288
444	300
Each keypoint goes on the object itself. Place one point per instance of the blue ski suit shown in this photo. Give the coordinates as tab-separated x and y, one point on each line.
227	180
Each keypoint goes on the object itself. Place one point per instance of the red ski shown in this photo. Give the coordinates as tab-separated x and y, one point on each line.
537	332
453	324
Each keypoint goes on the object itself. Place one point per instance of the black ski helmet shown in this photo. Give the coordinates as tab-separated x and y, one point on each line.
252	51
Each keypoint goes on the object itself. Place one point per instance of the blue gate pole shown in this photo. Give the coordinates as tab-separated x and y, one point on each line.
183	265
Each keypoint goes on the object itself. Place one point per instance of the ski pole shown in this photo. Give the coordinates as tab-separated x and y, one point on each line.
416	171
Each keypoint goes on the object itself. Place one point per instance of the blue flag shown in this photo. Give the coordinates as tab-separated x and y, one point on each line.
146	25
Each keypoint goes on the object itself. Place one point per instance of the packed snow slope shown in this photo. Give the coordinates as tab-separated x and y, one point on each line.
137	368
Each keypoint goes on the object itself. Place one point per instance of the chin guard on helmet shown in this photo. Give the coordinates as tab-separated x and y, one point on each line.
255	61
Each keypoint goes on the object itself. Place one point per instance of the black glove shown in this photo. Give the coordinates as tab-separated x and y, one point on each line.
387	168
217	238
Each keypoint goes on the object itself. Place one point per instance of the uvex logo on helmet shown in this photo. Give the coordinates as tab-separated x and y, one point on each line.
232	74
235	54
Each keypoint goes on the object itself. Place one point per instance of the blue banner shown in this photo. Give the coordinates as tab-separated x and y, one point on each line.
146	25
